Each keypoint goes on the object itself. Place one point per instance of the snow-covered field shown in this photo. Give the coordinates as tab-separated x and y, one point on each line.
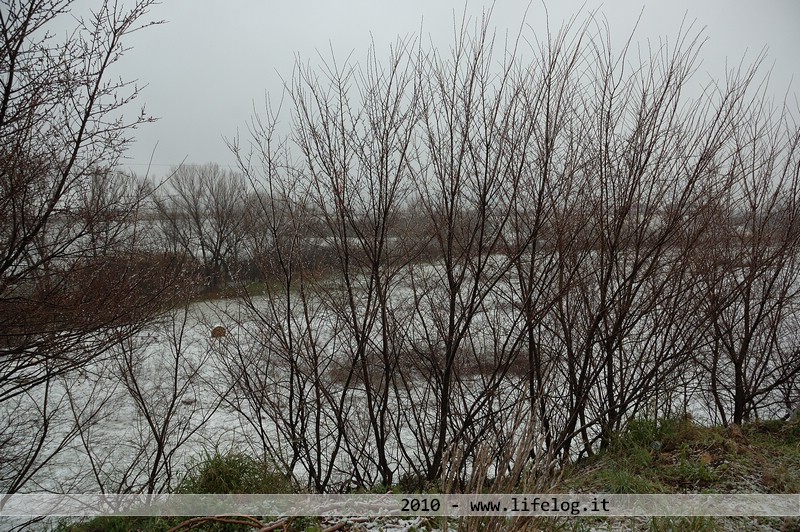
139	419
150	411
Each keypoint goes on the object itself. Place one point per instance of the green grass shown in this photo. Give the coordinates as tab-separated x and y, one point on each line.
678	456
666	456
682	524
235	473
216	473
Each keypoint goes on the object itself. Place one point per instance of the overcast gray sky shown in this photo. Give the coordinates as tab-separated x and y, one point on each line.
212	60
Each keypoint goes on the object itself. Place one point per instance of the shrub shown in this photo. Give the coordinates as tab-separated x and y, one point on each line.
657	435
217	473
235	473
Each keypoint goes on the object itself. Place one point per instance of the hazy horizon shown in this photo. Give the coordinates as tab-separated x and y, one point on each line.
205	69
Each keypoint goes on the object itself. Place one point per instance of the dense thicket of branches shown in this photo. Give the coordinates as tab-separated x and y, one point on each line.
75	279
561	236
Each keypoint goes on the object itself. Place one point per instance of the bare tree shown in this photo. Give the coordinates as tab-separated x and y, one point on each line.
201	212
280	364
164	390
749	271
475	133
68	291
359	185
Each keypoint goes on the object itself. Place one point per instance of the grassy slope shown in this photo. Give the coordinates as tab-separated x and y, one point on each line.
673	456
677	456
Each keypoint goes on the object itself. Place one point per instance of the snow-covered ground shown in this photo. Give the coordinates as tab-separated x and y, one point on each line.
173	395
